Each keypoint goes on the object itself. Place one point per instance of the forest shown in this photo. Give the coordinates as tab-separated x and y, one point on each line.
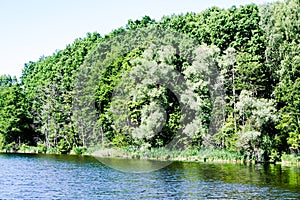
240	78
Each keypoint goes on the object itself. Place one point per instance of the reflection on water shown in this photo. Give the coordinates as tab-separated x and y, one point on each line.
76	177
133	165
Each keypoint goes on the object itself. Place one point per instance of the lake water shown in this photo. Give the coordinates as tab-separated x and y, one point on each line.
77	177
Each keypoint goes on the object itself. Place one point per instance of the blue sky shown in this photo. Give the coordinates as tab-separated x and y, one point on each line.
32	28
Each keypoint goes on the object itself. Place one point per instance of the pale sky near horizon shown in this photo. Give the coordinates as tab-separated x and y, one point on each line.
33	28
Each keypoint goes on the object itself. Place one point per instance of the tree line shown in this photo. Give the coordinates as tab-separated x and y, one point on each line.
255	49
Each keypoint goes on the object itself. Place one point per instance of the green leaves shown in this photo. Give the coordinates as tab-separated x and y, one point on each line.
244	71
13	119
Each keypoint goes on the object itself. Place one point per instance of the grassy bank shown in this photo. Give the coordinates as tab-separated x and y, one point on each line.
196	155
290	159
200	155
41	149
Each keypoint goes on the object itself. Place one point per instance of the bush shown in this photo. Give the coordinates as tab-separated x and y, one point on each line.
120	140
1	142
41	148
290	158
24	148
79	150
63	146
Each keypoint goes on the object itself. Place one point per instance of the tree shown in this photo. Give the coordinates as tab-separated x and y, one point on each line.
14	121
257	116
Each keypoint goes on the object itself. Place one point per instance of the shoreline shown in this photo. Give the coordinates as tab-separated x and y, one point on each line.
121	154
110	154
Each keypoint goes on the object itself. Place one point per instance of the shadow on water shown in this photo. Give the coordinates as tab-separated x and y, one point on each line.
269	175
50	157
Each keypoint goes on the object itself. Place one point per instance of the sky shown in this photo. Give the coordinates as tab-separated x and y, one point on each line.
30	29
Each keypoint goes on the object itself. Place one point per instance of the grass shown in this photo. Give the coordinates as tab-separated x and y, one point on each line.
39	149
290	159
191	154
206	155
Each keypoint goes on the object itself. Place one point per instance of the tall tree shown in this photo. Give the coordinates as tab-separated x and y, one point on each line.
14	121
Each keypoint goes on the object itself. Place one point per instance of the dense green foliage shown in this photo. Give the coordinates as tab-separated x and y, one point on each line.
254	48
15	125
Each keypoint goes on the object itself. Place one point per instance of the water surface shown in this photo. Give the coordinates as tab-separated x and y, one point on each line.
77	177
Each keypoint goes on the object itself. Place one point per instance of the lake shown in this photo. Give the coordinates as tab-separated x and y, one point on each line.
84	177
